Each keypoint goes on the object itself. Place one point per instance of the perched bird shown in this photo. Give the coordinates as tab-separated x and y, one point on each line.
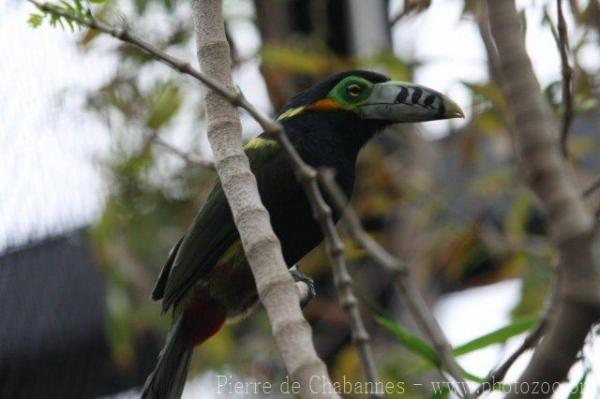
206	279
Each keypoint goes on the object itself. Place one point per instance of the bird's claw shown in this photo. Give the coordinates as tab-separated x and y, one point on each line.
305	285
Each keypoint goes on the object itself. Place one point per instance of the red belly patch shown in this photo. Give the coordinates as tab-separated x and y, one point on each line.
203	317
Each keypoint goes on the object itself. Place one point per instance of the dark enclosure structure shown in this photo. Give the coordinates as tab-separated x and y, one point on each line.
52	344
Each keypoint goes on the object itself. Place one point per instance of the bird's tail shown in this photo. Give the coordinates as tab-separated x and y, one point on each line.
168	377
202	318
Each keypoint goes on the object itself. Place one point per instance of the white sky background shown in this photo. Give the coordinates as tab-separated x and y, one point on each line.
49	180
47	144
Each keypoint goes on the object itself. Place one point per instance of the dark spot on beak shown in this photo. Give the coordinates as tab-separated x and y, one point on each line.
442	110
401	97
416	95
429	100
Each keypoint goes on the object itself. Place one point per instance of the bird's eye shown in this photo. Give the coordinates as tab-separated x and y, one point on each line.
353	90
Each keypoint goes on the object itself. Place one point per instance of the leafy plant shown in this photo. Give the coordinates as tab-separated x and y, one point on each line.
72	14
430	355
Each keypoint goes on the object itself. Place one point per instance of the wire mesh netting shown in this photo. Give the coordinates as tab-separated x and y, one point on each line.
52	307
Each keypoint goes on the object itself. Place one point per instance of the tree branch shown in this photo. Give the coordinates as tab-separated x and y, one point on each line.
413	298
189	158
569	222
567	77
593	186
497	375
532	339
341	276
410	6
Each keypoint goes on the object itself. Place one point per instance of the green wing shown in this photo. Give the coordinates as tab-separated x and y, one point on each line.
212	232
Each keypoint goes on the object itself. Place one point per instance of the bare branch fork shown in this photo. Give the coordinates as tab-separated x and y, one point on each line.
335	252
413	298
570	223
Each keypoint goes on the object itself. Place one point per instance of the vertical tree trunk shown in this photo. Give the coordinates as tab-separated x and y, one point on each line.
263	251
570	223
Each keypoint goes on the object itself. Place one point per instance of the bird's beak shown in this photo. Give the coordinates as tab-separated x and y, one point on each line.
395	102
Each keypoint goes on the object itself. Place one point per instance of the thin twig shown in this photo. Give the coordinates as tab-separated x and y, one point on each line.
593	186
355	228
589	190
341	277
304	172
414	300
161	56
410	6
567	78
153	138
396	18
483	24
189	158
496	376
499	244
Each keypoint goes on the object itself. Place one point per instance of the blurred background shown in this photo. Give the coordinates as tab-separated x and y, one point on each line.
98	180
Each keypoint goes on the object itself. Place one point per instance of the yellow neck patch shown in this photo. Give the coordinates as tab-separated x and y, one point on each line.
259	142
291	112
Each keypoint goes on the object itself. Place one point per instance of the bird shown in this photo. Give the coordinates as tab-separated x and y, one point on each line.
206	279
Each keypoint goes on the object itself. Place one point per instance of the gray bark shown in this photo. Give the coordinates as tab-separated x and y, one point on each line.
263	250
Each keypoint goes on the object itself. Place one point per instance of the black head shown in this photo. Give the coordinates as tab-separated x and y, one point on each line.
321	90
363	102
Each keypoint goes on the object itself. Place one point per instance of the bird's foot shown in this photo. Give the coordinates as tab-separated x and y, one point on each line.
305	286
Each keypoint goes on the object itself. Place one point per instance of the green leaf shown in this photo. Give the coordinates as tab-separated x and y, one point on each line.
67	7
441	393
471	377
498	336
492	183
577	390
398	69
165	103
297	60
411	341
535	287
515	223
79	6
73	9
419	347
70	23
489	92
35	20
